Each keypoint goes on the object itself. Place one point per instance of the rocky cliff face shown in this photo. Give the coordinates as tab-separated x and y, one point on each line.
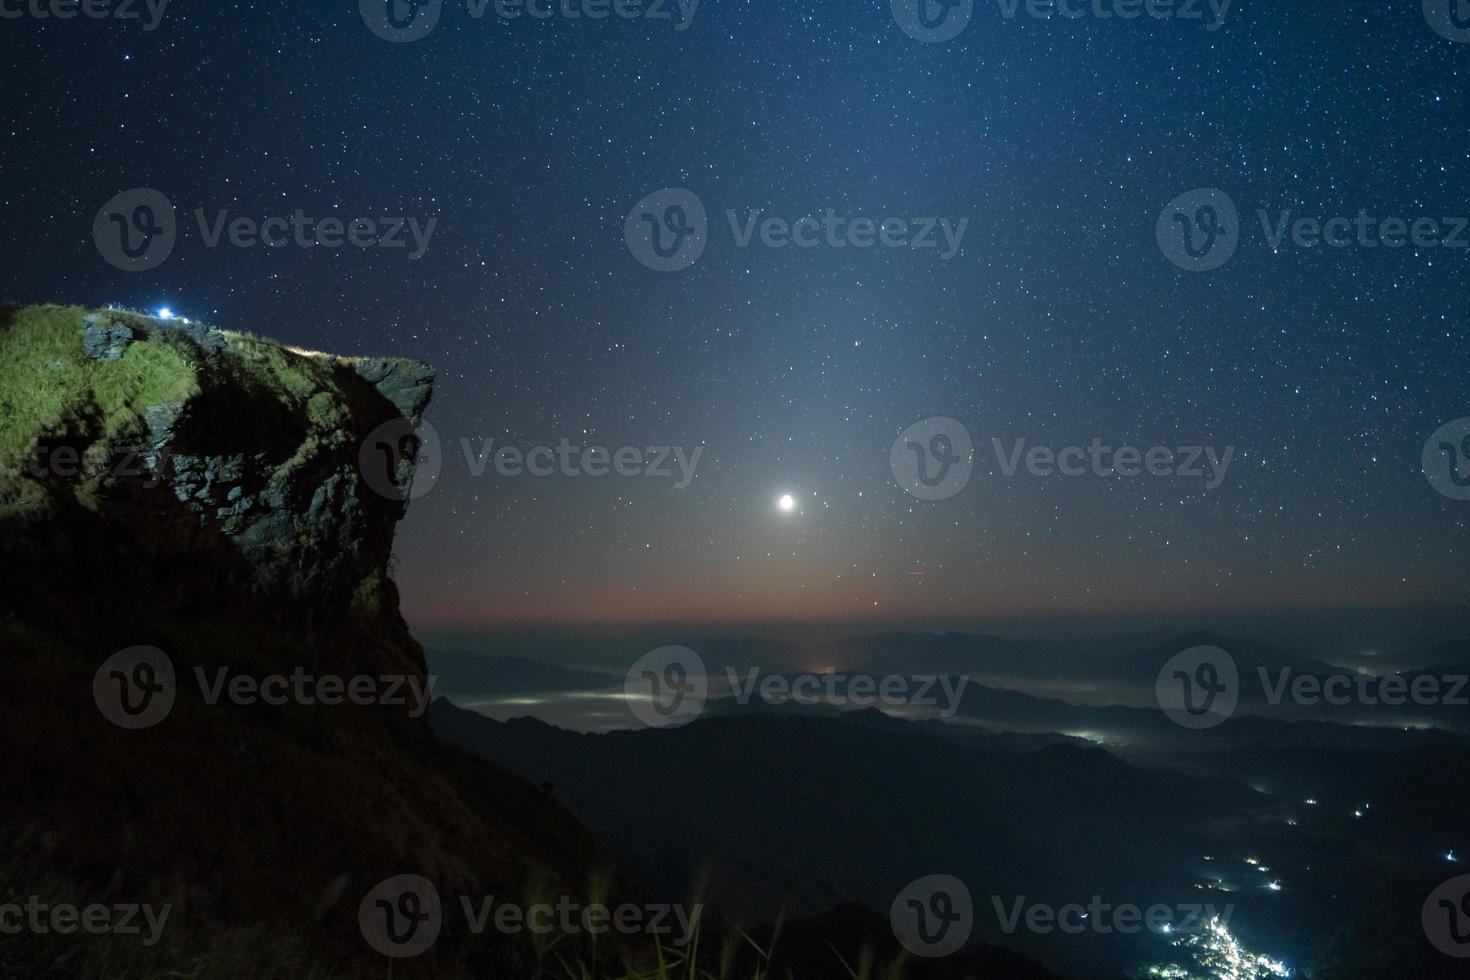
240	466
230	504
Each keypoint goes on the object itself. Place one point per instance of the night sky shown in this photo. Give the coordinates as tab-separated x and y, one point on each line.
1059	320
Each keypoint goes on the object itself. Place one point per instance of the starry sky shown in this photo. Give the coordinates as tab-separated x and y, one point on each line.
1058	321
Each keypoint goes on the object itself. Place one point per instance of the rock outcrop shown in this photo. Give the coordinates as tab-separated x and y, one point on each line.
232	455
198	494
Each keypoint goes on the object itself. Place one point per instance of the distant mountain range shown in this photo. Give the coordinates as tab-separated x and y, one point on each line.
772	808
1119	706
767	805
458	671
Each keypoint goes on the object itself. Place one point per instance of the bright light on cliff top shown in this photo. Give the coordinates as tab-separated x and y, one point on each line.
165	313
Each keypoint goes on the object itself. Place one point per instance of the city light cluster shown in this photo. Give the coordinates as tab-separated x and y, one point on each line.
1218	955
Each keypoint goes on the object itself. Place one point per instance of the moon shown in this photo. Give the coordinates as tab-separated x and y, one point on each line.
787	503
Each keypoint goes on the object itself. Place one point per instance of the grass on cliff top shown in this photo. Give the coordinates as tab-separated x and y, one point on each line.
49	386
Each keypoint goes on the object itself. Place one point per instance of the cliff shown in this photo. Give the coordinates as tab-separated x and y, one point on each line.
180	505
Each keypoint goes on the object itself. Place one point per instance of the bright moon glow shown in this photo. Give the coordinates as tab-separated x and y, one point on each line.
165	314
787	503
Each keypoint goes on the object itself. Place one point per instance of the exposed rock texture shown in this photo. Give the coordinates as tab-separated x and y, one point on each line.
194	491
104	339
239	446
